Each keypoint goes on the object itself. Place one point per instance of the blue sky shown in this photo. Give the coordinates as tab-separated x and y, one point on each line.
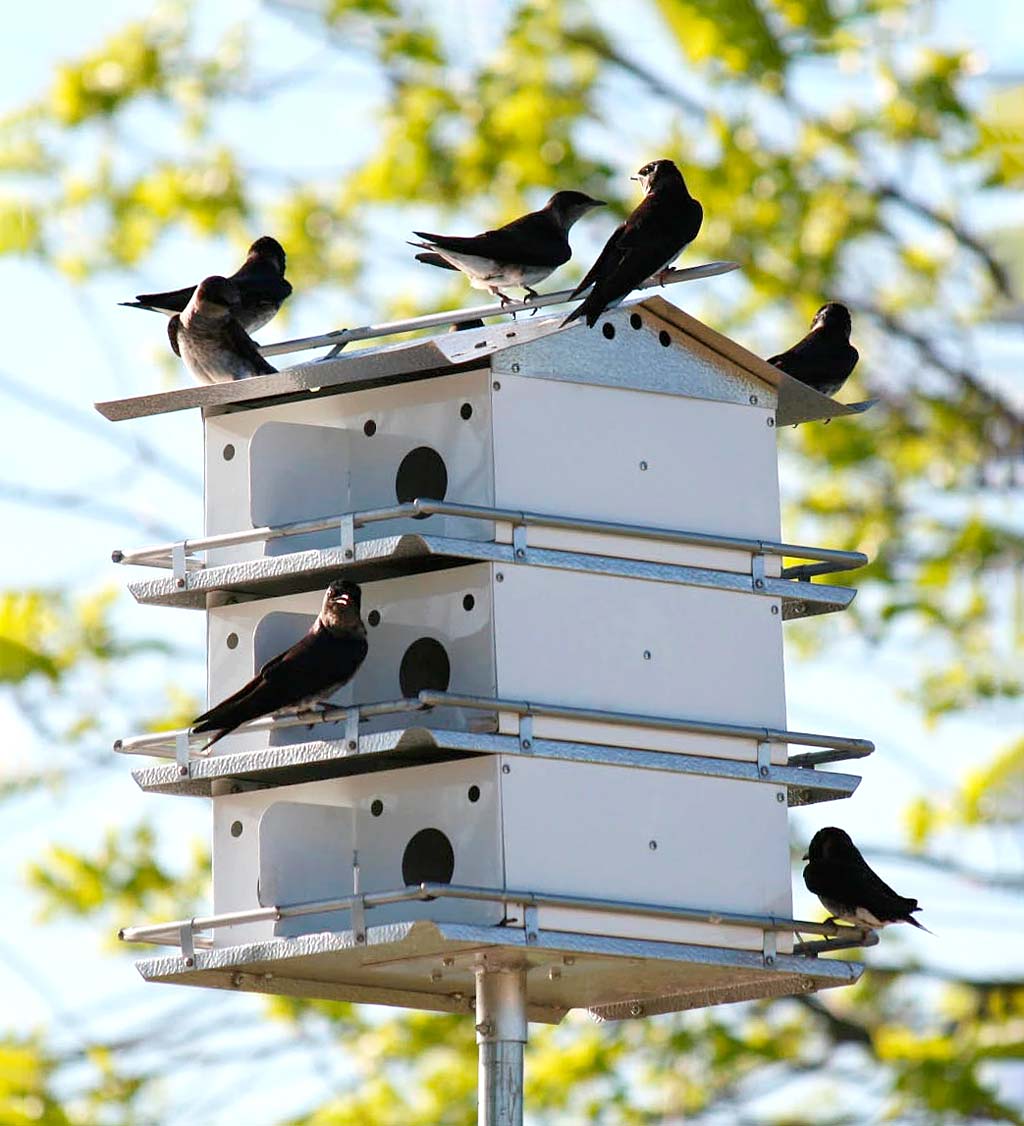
50	341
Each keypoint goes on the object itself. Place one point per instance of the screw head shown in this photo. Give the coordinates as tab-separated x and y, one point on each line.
526	744
520	553
780	796
499	577
653	846
361	938
753	400
763	771
647	654
775	609
506	769
348	553
352	744
771	422
236	980
769	960
496	385
636	1009
515	367
190	961
183	771
180	584
643	467
759	583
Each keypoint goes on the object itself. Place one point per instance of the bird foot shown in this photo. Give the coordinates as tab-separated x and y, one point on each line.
531	295
504	299
663	275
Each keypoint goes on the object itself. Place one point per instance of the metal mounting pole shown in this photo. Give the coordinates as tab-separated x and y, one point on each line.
500	1038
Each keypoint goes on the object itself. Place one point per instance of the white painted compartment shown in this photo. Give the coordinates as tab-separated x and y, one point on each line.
581	829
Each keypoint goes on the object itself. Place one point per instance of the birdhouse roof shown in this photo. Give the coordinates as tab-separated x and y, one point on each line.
635	346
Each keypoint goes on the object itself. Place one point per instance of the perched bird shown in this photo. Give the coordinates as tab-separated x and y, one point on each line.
318	664
261	288
521	253
841	878
825	357
208	337
647	243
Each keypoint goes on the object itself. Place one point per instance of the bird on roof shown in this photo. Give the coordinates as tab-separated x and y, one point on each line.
824	358
209	338
261	285
314	668
664	223
522	253
847	886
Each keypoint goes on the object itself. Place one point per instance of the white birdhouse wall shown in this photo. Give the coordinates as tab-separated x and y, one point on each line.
551	827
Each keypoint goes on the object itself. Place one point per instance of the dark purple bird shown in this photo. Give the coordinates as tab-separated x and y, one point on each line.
316	666
261	288
522	253
647	243
208	337
841	878
824	358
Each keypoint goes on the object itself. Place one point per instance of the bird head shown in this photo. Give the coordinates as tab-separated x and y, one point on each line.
656	173
216	297
270	250
341	605
570	206
831	844
834	316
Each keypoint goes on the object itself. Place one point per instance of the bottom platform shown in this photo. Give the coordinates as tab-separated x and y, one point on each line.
426	965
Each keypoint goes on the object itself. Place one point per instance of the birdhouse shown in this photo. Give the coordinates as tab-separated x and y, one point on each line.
566	750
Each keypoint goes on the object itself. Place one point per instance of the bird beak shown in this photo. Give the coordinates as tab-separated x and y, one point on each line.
637	178
806	856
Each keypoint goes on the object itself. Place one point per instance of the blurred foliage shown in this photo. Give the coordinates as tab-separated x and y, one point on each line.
856	195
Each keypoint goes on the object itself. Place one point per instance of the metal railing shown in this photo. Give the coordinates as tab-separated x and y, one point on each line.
182	932
834	748
340	337
177	557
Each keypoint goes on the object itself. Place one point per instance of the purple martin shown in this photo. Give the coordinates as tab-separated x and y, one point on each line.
647	243
824	358
316	666
208	337
521	253
841	878
261	287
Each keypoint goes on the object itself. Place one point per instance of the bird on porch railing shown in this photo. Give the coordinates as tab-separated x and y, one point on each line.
522	253
262	288
313	669
848	887
824	358
665	222
209	338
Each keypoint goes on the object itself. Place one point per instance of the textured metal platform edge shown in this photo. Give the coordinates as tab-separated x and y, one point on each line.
218	968
307	570
276	766
421	358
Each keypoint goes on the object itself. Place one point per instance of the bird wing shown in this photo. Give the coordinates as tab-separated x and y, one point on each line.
317	662
242	343
260	284
173	325
173	301
818	360
531	240
857	885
